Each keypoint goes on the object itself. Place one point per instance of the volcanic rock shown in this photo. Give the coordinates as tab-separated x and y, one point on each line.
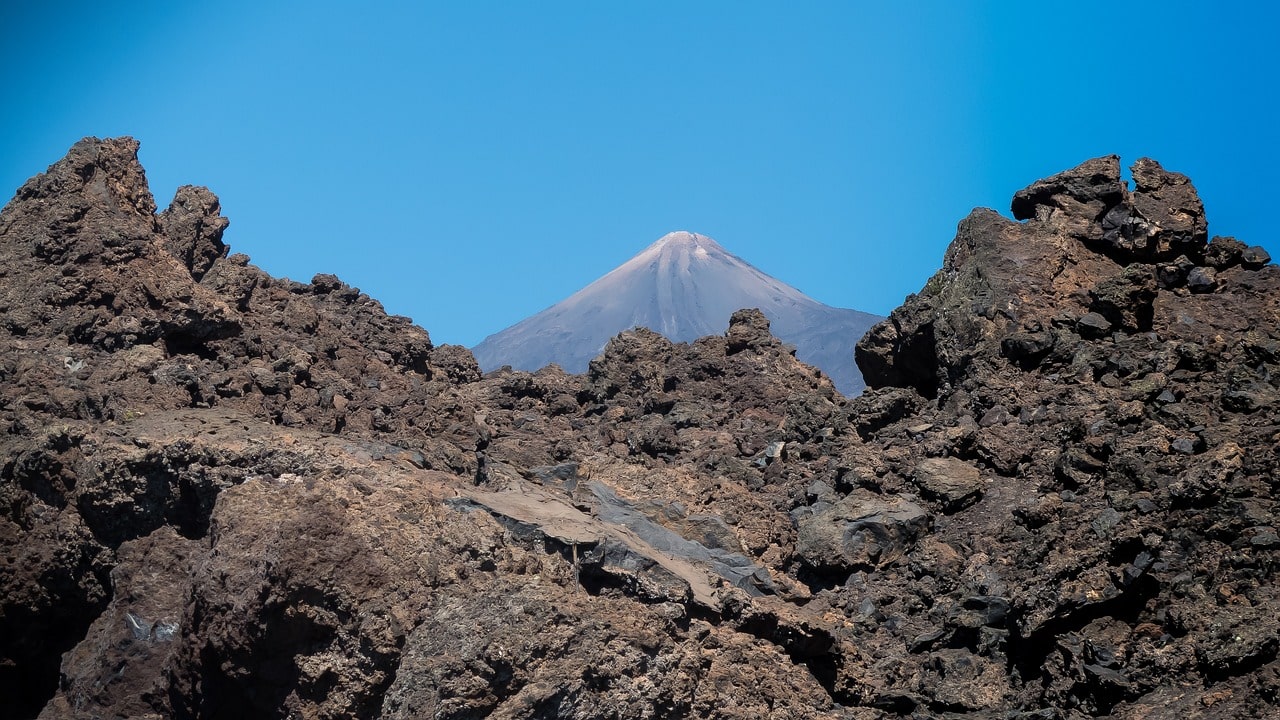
950	481
860	531
224	494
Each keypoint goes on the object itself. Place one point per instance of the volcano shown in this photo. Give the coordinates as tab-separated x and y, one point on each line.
684	286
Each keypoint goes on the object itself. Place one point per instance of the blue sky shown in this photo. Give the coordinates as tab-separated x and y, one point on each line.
469	164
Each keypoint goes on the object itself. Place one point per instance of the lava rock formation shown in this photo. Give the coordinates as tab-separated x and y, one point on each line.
224	494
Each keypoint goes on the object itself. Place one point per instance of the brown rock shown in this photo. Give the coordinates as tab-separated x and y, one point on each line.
953	483
860	531
193	229
226	494
1169	204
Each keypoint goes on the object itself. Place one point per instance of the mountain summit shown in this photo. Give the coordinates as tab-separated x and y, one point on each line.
683	286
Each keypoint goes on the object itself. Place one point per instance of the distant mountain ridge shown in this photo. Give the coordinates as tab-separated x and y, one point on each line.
684	286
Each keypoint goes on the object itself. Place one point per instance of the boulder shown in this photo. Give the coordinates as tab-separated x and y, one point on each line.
951	482
862	531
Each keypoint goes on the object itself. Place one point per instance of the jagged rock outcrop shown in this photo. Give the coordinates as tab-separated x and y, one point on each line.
223	494
1120	407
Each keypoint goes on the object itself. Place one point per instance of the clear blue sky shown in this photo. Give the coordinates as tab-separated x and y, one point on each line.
471	163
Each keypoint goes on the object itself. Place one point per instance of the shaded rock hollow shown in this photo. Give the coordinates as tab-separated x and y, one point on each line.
226	494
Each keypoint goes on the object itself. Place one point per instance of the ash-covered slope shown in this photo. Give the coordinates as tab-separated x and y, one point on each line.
227	495
684	286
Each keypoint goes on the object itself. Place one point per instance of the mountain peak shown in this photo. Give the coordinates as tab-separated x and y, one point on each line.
685	239
679	244
684	286
679	236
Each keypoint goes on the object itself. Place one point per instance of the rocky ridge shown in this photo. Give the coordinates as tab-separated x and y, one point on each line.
224	494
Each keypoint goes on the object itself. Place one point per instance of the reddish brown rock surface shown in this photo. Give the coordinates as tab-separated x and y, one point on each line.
227	495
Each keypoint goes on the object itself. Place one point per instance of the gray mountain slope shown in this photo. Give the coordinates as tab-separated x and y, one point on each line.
684	286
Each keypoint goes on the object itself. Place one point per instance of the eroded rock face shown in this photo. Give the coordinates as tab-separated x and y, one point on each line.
229	495
1109	366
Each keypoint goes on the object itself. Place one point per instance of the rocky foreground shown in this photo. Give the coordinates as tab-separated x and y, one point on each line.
226	495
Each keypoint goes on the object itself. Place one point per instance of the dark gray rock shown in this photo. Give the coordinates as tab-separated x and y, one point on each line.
1173	274
1254	257
1202	280
861	531
1093	325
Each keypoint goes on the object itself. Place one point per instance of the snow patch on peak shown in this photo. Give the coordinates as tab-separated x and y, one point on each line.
679	236
677	247
683	240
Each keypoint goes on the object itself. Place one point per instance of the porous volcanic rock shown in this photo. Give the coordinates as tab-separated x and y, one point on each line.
229	495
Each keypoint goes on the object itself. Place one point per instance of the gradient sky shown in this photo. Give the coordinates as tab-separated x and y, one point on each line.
469	164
